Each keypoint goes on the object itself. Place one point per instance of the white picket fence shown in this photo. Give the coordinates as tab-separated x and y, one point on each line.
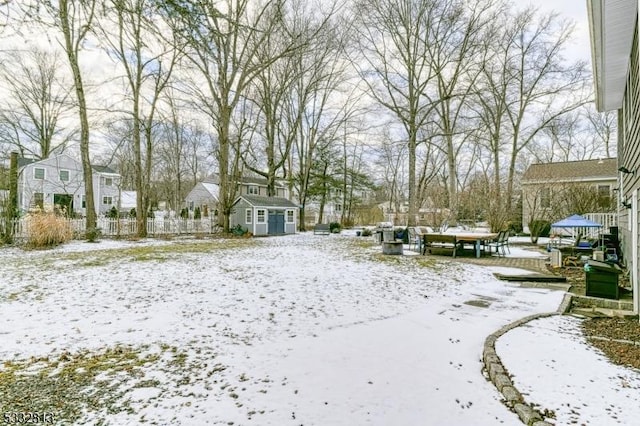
128	227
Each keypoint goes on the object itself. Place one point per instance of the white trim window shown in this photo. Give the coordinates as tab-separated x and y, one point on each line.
248	216
107	201
64	175
290	216
261	216
253	190
38	199
39	173
107	181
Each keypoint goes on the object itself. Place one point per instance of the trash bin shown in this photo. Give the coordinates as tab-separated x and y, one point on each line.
602	279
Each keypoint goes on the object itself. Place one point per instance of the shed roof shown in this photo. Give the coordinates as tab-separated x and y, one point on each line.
571	170
261	201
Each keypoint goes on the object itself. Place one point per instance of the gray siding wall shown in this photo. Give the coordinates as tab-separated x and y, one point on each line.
238	215
289	228
629	146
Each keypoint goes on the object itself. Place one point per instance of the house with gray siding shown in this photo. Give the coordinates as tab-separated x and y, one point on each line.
262	215
204	195
613	26
58	182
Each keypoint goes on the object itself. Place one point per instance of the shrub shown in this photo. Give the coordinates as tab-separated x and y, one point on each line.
196	213
93	234
334	228
539	228
46	229
112	213
238	230
366	232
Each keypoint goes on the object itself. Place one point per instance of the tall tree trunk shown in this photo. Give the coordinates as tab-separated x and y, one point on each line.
87	172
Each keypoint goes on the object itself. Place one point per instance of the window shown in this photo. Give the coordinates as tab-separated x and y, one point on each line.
84	202
253	190
604	196
261	216
108	181
248	215
38	173
64	175
338	207
38	199
192	205
107	200
545	198
290	216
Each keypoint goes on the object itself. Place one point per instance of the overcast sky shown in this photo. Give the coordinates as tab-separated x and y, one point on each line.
575	10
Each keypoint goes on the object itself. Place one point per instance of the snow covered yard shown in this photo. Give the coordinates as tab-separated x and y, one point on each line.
299	330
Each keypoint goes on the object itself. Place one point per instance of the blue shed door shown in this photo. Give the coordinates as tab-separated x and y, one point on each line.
276	222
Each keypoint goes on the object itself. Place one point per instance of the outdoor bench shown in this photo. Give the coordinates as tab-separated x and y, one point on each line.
321	229
431	242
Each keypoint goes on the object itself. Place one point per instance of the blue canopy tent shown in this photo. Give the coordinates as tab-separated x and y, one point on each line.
576	222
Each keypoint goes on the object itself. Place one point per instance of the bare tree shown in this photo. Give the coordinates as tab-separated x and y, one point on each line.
73	20
272	92
393	39
455	51
38	103
603	126
148	64
392	164
224	41
179	151
542	88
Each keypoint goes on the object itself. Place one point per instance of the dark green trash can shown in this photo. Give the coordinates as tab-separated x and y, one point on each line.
602	279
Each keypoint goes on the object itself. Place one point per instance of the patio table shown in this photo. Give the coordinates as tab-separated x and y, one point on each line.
478	239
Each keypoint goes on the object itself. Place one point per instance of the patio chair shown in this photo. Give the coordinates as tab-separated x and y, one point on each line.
415	239
500	242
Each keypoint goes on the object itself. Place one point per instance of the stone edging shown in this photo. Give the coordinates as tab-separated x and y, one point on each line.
499	376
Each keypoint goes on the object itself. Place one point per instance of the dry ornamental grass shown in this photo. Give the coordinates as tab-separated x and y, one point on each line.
47	229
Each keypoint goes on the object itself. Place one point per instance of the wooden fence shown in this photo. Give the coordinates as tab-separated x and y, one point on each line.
128	227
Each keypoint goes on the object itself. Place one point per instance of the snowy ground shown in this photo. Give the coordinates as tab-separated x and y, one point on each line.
296	330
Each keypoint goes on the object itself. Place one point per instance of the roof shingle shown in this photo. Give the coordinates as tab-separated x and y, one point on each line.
572	170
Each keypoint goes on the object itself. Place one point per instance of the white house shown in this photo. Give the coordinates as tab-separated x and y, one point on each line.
58	182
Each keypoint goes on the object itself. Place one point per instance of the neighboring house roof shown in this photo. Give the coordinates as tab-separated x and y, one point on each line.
611	24
23	161
212	189
586	170
261	201
128	199
245	180
103	169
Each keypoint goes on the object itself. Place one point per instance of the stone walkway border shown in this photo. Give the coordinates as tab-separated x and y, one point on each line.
499	376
